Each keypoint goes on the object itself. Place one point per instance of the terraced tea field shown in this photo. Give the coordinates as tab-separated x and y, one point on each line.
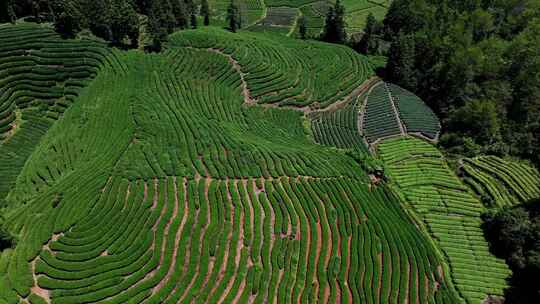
448	211
504	182
279	16
154	206
339	128
251	11
274	67
277	20
218	171
391	111
40	77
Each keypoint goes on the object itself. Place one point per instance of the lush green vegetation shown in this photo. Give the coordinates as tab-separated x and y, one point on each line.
500	182
160	178
380	119
7	240
339	128
284	71
250	11
514	234
41	76
390	111
413	112
476	63
448	211
275	15
233	164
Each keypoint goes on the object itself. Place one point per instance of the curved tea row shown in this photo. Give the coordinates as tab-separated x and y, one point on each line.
450	213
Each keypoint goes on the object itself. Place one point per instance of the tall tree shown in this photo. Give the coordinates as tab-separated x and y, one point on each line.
156	30
302	27
36	10
67	17
180	13
123	22
514	234
233	17
478	119
144	6
96	14
205	12
7	13
193	20
401	62
368	44
167	15
334	26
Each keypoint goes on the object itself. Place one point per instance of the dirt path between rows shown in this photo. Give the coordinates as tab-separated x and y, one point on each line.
238	256
348	269
178	233
379	283
43	293
207	182
234	208
238	68
249	100
408	276
402	127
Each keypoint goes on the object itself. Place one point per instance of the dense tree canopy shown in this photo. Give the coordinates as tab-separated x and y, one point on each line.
233	17
334	26
370	41
116	21
205	11
514	234
464	57
302	27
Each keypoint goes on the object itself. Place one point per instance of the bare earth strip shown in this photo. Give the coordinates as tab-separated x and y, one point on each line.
272	235
239	248
408	275
226	257
207	182
236	66
177	235
161	251
306	262
348	271
379	284
328	255
261	225
402	128
45	294
318	253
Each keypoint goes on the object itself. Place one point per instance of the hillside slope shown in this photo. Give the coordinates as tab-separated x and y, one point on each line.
40	77
164	176
450	213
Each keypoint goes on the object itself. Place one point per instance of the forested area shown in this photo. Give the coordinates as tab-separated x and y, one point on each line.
116	21
514	234
476	63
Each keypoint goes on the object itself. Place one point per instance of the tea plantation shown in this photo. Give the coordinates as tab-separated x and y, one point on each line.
229	168
451	214
279	16
501	182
